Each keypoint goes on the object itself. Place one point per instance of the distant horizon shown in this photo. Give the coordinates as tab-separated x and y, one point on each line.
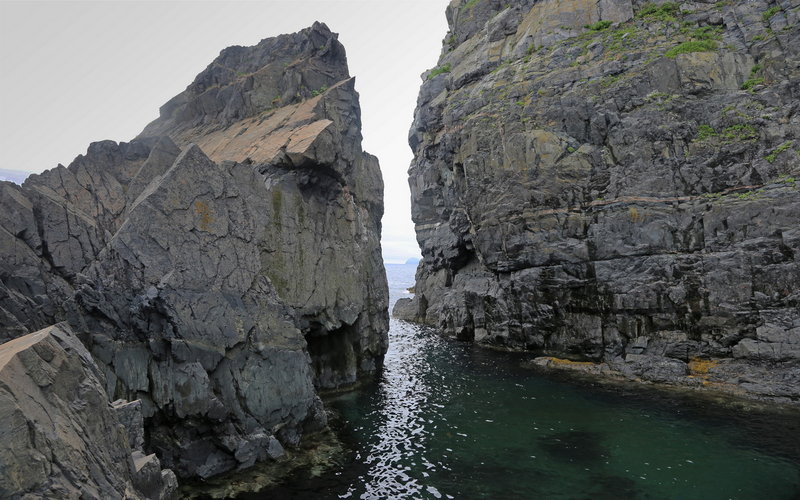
410	261
12	175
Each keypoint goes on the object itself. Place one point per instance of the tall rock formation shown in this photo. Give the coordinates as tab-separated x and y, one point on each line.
222	267
615	180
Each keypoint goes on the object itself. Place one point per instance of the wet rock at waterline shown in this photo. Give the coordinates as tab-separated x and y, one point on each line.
224	266
616	181
61	437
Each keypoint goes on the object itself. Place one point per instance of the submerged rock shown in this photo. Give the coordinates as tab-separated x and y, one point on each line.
61	438
224	266
609	179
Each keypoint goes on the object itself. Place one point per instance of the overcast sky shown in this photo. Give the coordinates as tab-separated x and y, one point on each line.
78	72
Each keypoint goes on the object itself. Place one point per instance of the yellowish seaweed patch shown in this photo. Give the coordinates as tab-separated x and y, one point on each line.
699	366
568	362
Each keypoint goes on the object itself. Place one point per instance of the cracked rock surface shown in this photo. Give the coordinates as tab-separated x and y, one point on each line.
61	437
224	266
616	181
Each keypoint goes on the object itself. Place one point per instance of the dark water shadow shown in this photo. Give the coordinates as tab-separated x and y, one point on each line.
576	447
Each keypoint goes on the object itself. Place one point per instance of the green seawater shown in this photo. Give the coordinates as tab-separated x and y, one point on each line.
449	420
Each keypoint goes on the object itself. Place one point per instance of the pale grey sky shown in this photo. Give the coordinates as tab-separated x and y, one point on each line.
77	72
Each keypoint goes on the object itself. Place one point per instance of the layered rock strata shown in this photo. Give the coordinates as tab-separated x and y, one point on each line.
224	266
616	181
61	437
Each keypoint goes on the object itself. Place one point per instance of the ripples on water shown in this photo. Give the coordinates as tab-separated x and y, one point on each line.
448	420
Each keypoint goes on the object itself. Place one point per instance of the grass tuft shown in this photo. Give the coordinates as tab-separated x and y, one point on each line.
438	71
780	149
767	15
472	3
692	46
750	83
598	26
705	132
739	133
666	12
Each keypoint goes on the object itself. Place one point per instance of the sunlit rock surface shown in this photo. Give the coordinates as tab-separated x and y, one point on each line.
616	181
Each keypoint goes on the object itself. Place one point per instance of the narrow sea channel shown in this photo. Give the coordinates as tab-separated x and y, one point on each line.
449	420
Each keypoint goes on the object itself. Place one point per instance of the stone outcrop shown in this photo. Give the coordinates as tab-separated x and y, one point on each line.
61	437
224	266
54	226
616	181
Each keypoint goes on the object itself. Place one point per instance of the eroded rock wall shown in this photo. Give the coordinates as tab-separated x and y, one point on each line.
223	267
61	437
54	226
614	180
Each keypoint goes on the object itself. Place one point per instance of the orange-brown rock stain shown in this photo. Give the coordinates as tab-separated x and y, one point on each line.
699	368
202	209
568	362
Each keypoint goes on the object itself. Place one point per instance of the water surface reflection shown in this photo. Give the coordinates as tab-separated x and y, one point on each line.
448	420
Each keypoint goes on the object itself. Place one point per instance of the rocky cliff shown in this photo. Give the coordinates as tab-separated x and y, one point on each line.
61	437
224	266
616	181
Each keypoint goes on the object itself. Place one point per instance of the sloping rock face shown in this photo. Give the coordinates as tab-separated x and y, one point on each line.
615	181
61	437
224	269
54	226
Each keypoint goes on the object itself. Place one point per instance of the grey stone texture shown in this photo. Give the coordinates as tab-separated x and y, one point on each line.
223	267
61	438
577	187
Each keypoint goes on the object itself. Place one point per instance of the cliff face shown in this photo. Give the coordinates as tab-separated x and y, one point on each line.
224	265
615	181
61	438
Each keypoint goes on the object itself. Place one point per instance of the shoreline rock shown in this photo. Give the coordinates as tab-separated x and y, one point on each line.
611	179
61	436
743	381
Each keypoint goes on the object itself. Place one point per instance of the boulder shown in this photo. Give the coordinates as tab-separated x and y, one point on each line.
61	437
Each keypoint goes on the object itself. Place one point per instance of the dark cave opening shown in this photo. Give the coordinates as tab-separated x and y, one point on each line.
334	355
